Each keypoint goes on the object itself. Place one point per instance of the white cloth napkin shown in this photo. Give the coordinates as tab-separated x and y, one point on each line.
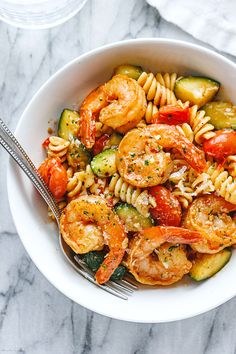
211	21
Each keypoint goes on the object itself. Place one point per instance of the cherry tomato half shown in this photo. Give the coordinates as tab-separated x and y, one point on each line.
168	210
172	115
221	145
100	143
54	175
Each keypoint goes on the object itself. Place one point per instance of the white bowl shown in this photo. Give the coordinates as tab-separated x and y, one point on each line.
70	85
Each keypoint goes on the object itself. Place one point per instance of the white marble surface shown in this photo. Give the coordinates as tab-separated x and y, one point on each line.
34	317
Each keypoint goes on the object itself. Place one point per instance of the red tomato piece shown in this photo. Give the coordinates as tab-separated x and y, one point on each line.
54	175
172	115
46	143
168	210
100	143
221	145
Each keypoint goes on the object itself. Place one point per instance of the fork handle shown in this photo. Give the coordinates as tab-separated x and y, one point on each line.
13	147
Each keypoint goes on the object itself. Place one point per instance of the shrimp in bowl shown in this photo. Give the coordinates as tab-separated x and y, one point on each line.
142	161
139	183
210	215
156	257
119	104
87	223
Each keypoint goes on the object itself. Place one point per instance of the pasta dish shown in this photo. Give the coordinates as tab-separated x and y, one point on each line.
144	173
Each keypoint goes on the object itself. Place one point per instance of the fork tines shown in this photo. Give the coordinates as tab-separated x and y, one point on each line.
120	288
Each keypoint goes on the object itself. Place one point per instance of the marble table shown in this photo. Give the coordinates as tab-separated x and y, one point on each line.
34	317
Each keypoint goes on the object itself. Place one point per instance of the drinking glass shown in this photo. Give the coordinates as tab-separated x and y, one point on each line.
38	14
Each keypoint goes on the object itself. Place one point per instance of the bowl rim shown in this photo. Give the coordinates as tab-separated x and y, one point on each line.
88	54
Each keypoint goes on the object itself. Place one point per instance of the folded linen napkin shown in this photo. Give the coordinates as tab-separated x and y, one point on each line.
211	21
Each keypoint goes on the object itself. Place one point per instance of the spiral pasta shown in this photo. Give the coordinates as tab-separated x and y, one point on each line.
181	177
224	184
202	130
150	111
99	186
184	193
180	171
188	183
140	199
203	185
186	130
168	80
69	171
79	182
160	95
75	184
58	147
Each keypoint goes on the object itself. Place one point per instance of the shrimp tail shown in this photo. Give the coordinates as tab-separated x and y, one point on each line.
173	138
196	160
90	108
110	263
88	129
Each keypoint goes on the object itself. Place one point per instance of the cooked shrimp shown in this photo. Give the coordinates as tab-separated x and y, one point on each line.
141	160
209	215
155	256
54	175
120	104
87	223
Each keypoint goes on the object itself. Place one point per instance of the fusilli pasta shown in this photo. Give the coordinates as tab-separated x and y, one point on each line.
199	123
150	111
168	80
203	185
160	95
79	182
186	130
188	183
181	178
58	147
224	184
184	194
75	184
140	199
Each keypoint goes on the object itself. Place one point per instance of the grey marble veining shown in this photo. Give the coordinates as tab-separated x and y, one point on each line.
34	317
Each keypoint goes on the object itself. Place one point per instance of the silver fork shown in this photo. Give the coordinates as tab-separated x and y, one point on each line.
120	288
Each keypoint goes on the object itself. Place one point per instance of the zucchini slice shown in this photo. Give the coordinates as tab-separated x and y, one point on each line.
132	219
206	265
195	89
222	114
104	164
68	126
132	71
114	141
77	154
